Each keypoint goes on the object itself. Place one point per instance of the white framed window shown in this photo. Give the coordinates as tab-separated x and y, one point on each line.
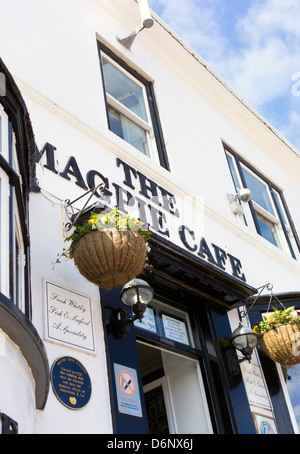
131	109
3	133
4	233
4	207
12	249
266	212
128	113
19	262
265	215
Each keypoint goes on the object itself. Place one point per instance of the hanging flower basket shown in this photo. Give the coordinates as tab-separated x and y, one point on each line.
278	336
110	249
110	257
280	343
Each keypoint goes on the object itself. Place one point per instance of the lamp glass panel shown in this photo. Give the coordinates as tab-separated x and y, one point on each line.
240	342
132	292
252	340
145	295
129	296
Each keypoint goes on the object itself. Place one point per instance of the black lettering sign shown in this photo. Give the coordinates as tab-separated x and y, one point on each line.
188	239
73	169
182	235
154	217
49	149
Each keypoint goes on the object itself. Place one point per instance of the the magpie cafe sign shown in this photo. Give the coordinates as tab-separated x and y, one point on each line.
148	201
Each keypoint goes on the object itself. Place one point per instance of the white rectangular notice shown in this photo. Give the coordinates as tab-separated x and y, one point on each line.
148	321
69	317
175	329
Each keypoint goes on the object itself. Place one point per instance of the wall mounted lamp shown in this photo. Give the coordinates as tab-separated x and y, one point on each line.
147	22
243	195
243	339
136	294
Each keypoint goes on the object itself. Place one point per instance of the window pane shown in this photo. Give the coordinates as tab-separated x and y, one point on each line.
124	90
292	377
268	230
259	192
17	273
233	171
1	236
128	131
280	208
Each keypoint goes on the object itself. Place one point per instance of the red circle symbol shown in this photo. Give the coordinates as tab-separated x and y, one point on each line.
127	383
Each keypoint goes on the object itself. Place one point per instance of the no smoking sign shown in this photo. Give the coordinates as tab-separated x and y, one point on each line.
128	394
127	383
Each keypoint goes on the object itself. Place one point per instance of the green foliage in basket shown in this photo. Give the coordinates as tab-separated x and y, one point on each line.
278	317
113	219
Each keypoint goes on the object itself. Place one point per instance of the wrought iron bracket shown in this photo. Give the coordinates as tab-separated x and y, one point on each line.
69	208
242	313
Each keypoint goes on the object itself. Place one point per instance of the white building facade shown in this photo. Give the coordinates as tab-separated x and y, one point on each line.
169	140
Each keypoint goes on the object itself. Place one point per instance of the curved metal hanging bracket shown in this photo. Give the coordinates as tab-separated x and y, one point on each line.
70	210
243	314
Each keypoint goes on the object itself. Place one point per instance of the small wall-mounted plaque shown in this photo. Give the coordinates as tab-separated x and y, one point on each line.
69	317
71	383
128	393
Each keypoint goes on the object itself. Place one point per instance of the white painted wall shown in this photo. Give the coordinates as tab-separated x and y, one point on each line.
47	211
15	374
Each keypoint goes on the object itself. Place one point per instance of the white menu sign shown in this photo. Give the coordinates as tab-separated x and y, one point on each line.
254	384
69	317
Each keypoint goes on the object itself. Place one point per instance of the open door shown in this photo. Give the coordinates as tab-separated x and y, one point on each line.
174	392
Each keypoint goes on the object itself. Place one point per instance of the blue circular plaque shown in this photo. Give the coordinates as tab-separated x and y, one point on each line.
71	382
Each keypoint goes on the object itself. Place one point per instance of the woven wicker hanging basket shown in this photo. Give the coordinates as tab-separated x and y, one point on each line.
110	257
280	343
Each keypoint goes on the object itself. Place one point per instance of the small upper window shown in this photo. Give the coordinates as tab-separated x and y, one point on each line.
266	212
131	109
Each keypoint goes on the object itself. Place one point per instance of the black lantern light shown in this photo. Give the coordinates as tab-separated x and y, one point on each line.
244	339
136	294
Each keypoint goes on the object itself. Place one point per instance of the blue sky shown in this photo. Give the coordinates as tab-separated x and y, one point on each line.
254	45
